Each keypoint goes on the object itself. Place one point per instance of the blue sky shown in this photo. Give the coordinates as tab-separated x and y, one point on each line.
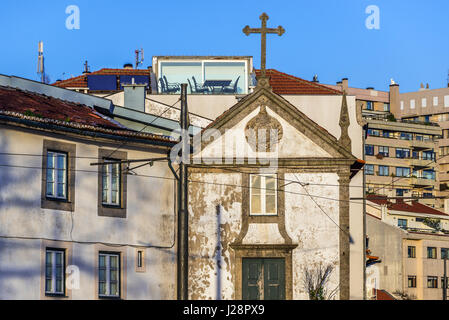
323	37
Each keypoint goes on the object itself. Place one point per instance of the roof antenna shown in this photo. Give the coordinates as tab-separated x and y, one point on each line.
40	61
86	68
139	61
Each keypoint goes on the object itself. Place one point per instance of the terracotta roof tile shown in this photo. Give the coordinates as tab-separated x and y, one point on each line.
383	295
45	109
400	205
283	83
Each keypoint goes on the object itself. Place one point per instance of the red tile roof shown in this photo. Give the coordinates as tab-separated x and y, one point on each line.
400	205
81	81
383	295
40	108
283	83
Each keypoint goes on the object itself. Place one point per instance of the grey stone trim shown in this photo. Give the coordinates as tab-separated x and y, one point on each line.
110	210
67	204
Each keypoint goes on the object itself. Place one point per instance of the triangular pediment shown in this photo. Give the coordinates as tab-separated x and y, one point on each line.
296	135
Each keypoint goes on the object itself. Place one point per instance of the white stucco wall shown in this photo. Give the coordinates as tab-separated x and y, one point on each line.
149	221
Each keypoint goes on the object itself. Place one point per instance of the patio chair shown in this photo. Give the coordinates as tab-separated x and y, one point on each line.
198	88
231	89
191	87
171	87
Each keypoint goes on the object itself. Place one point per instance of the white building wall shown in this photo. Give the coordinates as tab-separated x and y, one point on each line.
149	221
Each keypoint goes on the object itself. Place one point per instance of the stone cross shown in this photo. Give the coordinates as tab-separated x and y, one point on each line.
263	32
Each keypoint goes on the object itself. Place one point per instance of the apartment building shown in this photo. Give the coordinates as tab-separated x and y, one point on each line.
400	154
429	105
410	240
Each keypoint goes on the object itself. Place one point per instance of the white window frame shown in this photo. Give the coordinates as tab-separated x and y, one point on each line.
446	101
263	194
435	101
412	104
53	278
108	270
52	171
107	171
424	103
402	105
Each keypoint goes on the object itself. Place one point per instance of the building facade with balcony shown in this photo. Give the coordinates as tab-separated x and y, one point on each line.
411	241
400	154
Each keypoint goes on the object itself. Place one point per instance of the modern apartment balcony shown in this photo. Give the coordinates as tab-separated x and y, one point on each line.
421	182
422	144
421	163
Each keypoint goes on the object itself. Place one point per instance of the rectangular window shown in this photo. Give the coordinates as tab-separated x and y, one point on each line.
411	251
402	172
369	169
412	281
111	184
400	192
369	149
386	107
373	132
109	274
402	153
435	101
412	104
432	282
402	223
442	282
384	151
54	271
423	102
402	105
446	101
263	194
431	252
383	171
406	136
56	175
444	253
369	105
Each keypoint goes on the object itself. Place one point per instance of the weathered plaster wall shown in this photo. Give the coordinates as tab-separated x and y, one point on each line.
314	232
317	237
211	261
149	221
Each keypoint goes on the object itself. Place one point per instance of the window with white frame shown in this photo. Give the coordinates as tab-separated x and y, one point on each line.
423	102
446	101
109	274
54	271
402	105
435	101
56	175
412	104
263	197
111	184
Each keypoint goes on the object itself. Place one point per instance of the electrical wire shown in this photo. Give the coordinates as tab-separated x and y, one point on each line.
152	121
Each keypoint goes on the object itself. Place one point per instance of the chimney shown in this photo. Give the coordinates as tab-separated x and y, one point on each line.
394	100
344	84
135	95
128	66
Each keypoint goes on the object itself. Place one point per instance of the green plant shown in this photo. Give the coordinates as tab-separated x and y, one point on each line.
432	223
391	117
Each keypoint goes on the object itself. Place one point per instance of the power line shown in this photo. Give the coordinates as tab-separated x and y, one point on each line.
160	115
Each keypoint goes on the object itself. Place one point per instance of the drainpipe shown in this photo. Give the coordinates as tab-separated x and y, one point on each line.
183	214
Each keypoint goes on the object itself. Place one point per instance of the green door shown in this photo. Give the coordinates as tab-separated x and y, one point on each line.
263	279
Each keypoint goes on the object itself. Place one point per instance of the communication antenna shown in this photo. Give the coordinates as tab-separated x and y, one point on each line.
40	61
139	61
